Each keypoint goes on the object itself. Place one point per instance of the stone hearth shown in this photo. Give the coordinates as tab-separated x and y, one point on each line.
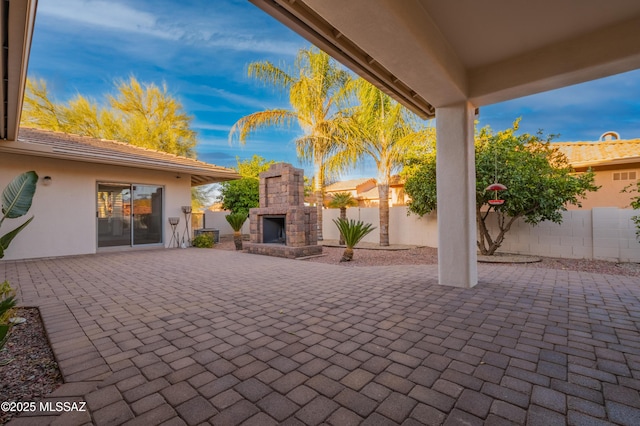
282	226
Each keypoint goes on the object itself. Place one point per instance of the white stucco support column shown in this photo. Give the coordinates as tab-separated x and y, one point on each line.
456	183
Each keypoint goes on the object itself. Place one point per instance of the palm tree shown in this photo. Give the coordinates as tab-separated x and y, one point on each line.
342	200
352	232
388	131
236	220
316	88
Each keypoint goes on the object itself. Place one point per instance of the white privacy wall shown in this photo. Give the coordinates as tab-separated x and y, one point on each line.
216	220
601	233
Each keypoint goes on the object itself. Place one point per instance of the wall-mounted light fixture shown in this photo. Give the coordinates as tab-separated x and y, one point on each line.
46	181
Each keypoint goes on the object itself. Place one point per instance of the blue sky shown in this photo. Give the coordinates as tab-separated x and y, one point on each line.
201	50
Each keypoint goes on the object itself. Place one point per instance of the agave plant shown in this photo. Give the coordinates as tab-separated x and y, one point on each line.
236	220
16	202
342	200
352	231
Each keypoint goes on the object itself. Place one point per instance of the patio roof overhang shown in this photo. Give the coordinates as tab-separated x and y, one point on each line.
432	53
17	18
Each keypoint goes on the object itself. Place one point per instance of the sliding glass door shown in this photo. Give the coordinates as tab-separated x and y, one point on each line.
129	214
147	214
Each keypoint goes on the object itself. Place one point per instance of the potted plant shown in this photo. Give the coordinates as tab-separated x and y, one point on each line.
236	220
16	202
352	231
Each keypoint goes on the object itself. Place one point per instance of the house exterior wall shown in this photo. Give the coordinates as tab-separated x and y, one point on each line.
65	211
609	194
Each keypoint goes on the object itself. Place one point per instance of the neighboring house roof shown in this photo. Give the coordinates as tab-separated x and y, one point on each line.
65	146
607	152
372	194
347	185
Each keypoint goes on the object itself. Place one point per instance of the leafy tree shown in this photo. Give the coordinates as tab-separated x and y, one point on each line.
141	114
635	204
316	88
201	197
388	132
539	179
148	116
342	200
243	194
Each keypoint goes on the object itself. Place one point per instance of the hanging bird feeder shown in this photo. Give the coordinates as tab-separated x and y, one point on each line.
495	186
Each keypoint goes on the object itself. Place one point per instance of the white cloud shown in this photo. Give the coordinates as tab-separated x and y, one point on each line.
235	98
205	30
215	127
108	15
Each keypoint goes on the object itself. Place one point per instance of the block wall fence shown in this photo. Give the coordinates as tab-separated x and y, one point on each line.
604	233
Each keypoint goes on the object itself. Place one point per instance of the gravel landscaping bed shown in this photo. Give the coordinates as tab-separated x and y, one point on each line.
28	370
429	255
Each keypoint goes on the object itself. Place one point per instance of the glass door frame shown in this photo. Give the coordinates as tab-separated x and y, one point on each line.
132	242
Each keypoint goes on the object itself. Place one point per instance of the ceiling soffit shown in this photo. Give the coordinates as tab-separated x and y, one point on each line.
430	53
17	19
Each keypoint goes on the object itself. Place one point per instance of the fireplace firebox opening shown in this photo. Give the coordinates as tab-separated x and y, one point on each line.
273	229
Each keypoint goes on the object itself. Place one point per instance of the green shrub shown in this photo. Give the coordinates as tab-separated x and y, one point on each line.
16	202
203	241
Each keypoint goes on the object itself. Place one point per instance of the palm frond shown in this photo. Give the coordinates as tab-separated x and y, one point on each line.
270	74
250	123
236	220
353	231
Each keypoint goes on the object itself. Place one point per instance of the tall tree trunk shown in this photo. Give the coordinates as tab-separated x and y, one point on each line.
383	191
486	244
319	183
343	215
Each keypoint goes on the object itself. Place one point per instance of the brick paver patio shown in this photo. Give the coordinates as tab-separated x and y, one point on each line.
213	337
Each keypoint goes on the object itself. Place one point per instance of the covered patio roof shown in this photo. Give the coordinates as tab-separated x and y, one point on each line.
432	53
17	18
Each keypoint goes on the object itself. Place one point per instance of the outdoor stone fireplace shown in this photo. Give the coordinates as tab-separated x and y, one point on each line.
282	226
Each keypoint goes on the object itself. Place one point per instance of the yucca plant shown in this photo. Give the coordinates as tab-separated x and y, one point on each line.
342	200
236	220
352	231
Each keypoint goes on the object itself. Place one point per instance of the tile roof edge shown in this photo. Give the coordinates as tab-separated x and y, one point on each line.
125	144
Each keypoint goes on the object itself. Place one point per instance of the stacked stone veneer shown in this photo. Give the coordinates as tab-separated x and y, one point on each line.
282	195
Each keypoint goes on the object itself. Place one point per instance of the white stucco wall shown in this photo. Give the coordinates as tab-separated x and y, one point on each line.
65	211
403	229
216	220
